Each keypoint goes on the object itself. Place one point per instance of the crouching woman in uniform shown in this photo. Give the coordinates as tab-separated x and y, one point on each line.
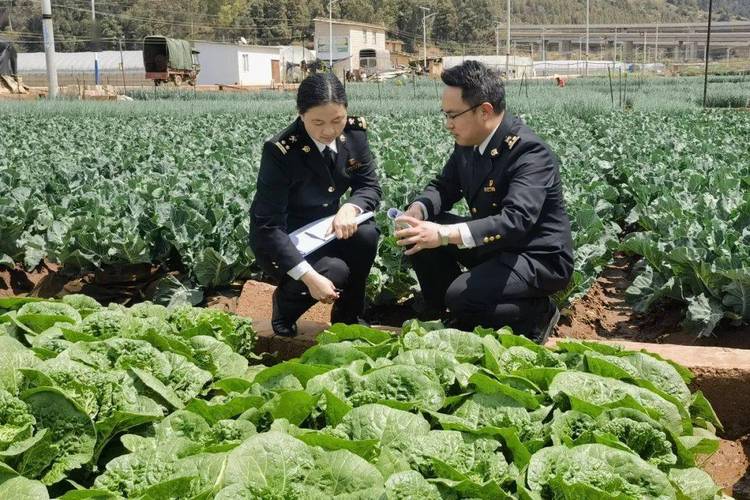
305	170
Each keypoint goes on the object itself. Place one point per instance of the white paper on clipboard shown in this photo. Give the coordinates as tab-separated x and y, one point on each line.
309	238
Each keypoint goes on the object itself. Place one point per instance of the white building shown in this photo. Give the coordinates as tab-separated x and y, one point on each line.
356	46
230	64
234	64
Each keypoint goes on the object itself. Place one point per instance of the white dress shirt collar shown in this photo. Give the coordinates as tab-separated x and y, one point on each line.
486	142
322	146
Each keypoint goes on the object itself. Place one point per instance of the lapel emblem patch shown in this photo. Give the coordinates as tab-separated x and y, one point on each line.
306	148
342	138
511	141
490	187
494	153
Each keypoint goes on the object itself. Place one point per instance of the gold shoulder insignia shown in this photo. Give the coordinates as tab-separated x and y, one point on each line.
356	123
281	147
511	141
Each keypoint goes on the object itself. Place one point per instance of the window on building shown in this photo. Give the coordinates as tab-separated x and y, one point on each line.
368	59
245	62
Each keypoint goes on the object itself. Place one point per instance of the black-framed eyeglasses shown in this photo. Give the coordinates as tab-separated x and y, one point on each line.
453	116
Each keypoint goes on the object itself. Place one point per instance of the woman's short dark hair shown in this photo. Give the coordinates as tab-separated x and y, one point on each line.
478	84
319	89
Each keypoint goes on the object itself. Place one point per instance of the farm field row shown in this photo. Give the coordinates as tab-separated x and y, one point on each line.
110	188
149	402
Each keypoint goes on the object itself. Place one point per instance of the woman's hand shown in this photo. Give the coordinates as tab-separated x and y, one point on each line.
320	287
345	222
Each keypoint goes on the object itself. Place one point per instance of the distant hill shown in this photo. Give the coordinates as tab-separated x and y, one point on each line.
458	25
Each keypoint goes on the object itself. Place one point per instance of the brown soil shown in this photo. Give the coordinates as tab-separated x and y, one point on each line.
255	302
605	313
19	282
728	467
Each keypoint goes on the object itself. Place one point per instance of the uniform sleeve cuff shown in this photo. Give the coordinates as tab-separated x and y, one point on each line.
467	240
360	211
423	208
300	270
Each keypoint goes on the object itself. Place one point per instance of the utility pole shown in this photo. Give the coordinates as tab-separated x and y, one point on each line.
587	38
122	66
330	35
615	44
708	46
645	51
497	38
96	42
656	50
425	17
507	44
49	48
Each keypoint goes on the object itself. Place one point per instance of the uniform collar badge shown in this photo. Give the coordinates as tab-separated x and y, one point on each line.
306	148
511	141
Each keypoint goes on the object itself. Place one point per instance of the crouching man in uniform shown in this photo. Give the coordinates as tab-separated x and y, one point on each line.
516	245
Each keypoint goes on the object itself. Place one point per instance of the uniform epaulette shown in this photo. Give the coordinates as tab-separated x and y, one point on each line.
285	143
511	141
356	123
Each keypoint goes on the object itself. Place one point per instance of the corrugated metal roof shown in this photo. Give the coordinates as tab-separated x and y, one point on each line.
34	62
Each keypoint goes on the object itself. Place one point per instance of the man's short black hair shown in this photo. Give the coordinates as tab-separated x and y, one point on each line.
478	84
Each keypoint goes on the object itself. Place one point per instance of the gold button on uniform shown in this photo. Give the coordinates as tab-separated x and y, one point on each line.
331	189
325	205
486	239
473	210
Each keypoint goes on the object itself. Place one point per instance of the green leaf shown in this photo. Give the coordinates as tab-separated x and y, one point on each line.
70	442
340	332
270	465
694	484
487	385
700	408
703	315
213	412
212	269
343	473
336	409
410	484
295	406
20	488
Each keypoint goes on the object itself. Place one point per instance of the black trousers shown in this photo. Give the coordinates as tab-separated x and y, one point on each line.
489	294
347	264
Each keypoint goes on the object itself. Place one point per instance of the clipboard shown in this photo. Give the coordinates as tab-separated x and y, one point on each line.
309	238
